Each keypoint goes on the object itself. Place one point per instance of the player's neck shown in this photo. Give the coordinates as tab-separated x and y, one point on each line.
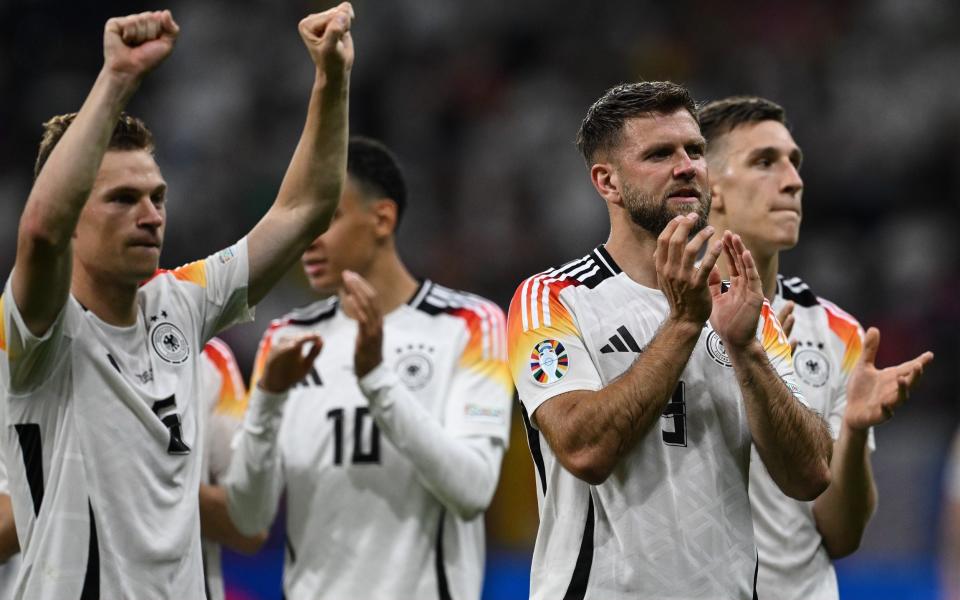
113	302
393	282
632	248
768	265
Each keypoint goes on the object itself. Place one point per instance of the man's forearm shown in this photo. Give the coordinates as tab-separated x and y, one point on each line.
41	279
310	191
591	431
793	441
843	511
63	185
314	178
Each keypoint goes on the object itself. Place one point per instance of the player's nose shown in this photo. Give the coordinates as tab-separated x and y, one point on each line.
149	214
686	166
792	182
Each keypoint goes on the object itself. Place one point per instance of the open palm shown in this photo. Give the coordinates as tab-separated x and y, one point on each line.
874	394
736	310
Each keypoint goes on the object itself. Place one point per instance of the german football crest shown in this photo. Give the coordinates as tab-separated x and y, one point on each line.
414	366
811	366
716	350
548	362
170	343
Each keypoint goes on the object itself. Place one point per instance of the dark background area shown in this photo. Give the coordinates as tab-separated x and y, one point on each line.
482	100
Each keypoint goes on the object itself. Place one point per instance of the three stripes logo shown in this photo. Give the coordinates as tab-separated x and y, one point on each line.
621	341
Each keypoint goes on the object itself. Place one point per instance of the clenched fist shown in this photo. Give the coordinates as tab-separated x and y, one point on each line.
327	37
134	45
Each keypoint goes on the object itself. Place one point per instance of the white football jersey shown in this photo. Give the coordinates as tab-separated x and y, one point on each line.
224	400
672	522
360	524
102	443
793	562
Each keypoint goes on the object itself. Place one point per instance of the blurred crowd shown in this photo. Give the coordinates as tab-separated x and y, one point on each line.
481	101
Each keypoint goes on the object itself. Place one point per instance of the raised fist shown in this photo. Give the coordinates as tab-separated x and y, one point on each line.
135	44
327	37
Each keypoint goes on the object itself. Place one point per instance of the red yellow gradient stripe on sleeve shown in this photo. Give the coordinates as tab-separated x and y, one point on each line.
771	336
263	351
3	326
848	330
195	272
486	350
537	314
232	400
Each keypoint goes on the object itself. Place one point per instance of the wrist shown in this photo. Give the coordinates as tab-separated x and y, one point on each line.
750	348
377	378
122	81
684	327
852	431
265	410
331	82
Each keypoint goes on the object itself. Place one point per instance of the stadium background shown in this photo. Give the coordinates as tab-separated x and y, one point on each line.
481	101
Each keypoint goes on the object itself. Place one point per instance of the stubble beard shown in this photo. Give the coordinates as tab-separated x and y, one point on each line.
653	215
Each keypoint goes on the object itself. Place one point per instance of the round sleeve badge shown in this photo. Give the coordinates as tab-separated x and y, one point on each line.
548	361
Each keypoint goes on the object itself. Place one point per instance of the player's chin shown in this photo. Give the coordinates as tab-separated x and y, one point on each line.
325	284
788	235
141	268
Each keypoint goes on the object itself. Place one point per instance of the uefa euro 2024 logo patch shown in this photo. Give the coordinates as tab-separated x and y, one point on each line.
548	362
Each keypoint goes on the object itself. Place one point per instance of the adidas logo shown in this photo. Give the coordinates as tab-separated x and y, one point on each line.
621	342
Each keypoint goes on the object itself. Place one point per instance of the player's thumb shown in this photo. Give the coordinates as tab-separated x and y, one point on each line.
871	342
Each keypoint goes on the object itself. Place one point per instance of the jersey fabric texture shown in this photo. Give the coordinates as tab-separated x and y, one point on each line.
360	524
672	522
223	397
102	441
794	565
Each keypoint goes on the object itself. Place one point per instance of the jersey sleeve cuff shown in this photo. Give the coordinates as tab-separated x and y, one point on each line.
265	411
380	378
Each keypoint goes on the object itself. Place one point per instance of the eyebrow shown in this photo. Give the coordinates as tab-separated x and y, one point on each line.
700	142
134	190
795	154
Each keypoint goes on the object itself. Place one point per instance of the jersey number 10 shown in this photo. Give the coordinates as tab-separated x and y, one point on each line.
366	437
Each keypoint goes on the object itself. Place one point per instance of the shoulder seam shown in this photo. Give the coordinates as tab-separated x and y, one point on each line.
490	324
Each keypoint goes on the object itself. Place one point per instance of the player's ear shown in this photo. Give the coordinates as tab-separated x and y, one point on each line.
716	197
385	217
606	181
